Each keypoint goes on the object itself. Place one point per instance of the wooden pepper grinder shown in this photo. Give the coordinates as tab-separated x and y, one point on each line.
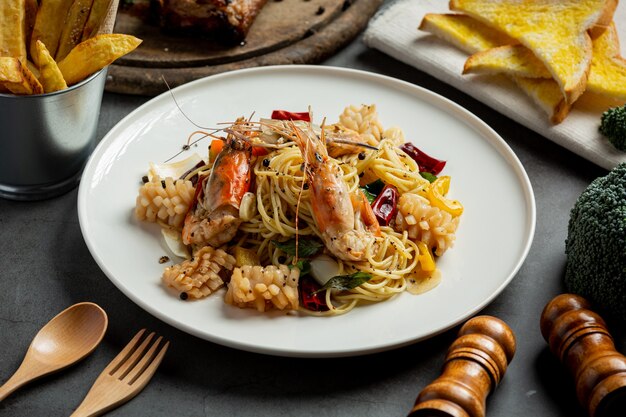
580	339
475	364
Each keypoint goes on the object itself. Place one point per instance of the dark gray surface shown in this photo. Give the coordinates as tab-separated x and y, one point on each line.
46	267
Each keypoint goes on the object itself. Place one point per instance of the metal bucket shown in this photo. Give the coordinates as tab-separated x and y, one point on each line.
46	139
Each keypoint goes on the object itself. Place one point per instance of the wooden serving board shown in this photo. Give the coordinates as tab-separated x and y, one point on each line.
285	32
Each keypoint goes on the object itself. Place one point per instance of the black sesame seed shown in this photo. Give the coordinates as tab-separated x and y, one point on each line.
362	156
306	186
144	179
266	162
281	259
320	11
183	296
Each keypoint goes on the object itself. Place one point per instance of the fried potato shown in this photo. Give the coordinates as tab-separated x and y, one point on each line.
17	78
13	29
33	68
94	54
99	10
73	27
29	21
50	75
48	25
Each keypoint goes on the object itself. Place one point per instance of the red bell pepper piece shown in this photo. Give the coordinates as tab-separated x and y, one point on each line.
287	115
385	206
311	300
425	162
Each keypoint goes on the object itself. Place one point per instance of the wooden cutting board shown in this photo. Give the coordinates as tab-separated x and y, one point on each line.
285	32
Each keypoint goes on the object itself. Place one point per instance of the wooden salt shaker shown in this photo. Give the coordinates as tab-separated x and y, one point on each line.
580	339
475	364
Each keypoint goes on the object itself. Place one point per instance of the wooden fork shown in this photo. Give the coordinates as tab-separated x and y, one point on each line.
124	377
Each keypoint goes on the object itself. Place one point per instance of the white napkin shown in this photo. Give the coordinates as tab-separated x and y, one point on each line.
394	31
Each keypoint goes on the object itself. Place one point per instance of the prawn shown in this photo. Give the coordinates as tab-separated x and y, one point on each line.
342	141
213	218
346	221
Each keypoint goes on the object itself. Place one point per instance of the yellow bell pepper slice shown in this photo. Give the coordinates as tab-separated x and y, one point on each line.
425	258
436	195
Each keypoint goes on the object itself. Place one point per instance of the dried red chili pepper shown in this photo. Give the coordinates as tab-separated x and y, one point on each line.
386	205
287	115
311	300
425	162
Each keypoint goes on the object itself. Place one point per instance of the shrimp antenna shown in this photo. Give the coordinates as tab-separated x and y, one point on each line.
236	134
361	144
322	134
181	110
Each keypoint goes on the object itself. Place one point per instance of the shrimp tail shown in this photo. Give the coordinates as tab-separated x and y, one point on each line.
364	213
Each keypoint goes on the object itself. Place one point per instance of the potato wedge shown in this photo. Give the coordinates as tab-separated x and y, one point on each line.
17	78
99	10
50	75
48	25
33	68
73	27
94	54
31	7
13	29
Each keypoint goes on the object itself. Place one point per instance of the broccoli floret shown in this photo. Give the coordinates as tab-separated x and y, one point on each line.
613	126
596	243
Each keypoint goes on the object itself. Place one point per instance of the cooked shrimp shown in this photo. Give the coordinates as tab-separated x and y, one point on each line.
342	141
339	140
347	223
213	218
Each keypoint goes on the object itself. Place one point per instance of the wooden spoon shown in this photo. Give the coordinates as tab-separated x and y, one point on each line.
67	338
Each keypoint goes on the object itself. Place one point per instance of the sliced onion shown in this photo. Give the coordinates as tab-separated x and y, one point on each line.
323	268
174	242
173	169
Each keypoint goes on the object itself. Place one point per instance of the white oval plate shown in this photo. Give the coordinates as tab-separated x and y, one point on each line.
493	238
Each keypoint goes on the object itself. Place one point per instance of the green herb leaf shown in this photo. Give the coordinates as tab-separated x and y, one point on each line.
427	175
346	282
303	265
306	247
370	197
375	187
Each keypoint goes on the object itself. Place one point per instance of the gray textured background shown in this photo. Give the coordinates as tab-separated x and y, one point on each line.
45	267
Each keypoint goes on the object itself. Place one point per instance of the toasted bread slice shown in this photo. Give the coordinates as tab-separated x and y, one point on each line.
464	32
608	69
607	75
547	94
555	31
513	59
453	27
